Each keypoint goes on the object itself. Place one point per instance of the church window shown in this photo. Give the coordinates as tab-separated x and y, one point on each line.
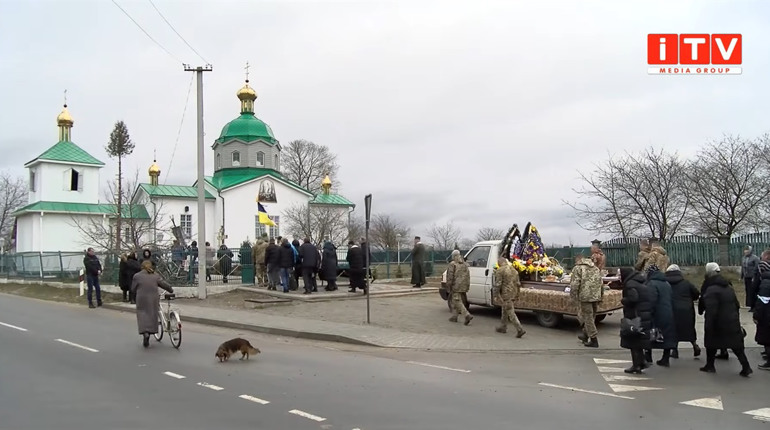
275	165
219	161
127	236
32	180
236	158
271	231
260	159
73	180
185	222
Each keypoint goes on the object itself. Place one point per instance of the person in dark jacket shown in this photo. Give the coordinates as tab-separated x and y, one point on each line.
225	257
129	266
310	261
297	272
286	263
273	264
663	314
328	271
148	255
93	268
749	272
636	303
762	311
722	328
723	355
356	271
684	294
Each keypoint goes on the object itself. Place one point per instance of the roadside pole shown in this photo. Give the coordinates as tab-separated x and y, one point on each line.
368	204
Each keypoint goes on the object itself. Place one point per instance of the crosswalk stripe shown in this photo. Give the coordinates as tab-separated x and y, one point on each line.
618	388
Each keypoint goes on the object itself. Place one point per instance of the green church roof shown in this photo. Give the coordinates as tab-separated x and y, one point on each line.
227	178
173	191
331	200
67	152
129	211
247	128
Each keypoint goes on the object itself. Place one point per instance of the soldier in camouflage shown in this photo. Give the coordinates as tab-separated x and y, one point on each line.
506	287
587	289
597	256
259	261
458	280
657	255
644	253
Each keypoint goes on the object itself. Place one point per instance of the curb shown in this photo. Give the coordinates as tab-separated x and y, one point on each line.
351	296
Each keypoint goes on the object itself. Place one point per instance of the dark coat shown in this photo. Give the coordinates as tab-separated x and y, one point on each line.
663	309
356	260
148	255
128	268
286	257
145	285
418	264
762	311
225	257
329	263
365	250
308	254
636	303
272	255
92	265
684	294
723	322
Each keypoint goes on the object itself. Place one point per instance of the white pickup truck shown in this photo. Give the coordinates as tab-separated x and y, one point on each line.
549	300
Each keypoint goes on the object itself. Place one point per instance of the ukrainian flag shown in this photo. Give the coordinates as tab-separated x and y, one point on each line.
263	218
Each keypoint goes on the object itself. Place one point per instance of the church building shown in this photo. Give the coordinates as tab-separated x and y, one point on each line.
247	169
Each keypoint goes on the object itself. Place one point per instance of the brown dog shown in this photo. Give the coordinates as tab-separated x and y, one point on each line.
232	346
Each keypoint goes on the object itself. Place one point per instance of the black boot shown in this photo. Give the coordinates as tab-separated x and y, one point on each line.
145	340
636	359
125	296
696	350
723	355
665	360
592	343
675	353
583	337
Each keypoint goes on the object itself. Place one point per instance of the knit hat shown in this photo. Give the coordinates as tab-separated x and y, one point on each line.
652	268
673	268
712	268
764	266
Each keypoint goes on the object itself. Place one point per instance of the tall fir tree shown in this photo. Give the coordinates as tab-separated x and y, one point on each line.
119	146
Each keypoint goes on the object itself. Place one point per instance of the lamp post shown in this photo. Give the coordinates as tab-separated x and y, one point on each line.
398	248
2	254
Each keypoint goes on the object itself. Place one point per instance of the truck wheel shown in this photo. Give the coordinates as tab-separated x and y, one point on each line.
548	319
600	318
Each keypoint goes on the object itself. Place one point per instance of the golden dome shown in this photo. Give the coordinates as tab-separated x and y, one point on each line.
64	117
327	181
154	169
246	92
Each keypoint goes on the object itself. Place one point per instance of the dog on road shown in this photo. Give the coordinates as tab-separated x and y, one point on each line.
232	346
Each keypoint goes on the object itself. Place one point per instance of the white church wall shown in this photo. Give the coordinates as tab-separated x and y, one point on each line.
25	233
53	183
185	214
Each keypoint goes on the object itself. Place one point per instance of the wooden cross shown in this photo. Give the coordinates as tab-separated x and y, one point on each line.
247	71
65	98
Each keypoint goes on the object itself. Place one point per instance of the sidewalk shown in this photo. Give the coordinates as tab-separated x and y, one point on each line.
377	289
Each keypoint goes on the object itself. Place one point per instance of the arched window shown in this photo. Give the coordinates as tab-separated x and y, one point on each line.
275	164
260	159
236	158
219	161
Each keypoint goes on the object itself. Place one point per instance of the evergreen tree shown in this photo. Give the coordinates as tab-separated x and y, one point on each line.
119	146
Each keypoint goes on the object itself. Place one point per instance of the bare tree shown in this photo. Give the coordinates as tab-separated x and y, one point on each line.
119	146
13	195
137	232
326	223
727	183
307	163
384	231
489	233
638	194
467	243
444	236
356	229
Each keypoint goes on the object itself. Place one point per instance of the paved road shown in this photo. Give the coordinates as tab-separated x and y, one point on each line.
115	383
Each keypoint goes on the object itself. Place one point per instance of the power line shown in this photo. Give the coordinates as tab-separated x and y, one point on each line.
177	33
179	132
145	32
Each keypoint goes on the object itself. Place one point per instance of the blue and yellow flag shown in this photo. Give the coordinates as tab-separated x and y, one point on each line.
263	218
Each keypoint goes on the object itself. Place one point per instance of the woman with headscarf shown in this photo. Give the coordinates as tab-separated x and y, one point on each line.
762	312
663	315
723	321
145	286
636	304
723	355
129	266
684	295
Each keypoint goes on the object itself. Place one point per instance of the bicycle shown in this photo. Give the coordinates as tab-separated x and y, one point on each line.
169	321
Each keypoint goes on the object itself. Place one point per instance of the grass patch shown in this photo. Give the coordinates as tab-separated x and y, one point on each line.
54	294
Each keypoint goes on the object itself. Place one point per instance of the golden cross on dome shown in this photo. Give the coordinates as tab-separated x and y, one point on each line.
247	71
65	98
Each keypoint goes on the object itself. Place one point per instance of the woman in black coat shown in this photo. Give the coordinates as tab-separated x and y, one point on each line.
723	321
684	294
329	266
636	303
663	314
129	266
762	313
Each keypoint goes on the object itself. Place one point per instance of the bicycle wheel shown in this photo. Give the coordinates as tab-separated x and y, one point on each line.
159	334
175	330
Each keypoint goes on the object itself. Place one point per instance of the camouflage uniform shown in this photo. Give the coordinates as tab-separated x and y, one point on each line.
259	262
599	259
507	286
658	257
458	280
641	260
587	289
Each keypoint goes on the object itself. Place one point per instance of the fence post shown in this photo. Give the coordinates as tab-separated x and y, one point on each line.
40	256
387	264
61	267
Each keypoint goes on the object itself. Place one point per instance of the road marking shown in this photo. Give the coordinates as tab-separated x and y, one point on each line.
253	399
626	388
66	342
580	390
213	387
610	378
706	402
13	326
307	415
438	367
608	361
760	414
609	369
174	375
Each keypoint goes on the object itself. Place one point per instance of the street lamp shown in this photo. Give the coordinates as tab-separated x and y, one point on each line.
398	248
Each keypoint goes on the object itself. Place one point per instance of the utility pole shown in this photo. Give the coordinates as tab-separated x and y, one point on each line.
201	190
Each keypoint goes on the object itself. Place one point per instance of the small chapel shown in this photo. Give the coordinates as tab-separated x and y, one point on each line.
64	193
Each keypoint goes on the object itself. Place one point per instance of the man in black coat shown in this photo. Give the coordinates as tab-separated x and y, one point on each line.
93	269
310	261
356	271
273	264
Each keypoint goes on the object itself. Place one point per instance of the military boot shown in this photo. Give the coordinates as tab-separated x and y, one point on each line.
520	333
592	343
501	329
583	337
453	318
468	319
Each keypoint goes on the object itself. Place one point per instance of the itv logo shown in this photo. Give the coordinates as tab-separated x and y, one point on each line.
694	54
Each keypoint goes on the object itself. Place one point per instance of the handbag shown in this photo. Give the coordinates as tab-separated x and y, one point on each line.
656	336
631	327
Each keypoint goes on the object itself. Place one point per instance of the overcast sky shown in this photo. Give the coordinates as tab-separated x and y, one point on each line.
475	111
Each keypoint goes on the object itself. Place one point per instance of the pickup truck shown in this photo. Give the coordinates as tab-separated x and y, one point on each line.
549	300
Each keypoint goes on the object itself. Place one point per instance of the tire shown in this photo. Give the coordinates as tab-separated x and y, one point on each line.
549	319
159	335
600	318
175	331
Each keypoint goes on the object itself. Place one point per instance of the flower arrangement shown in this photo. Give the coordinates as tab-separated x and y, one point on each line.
529	257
